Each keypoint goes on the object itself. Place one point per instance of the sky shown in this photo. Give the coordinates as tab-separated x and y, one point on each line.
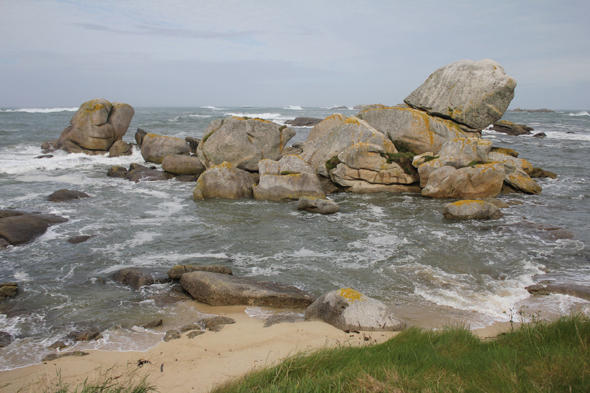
60	53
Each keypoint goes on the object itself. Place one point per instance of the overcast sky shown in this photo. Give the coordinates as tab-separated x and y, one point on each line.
274	53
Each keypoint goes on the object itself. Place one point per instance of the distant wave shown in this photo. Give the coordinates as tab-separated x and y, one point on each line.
583	113
294	107
266	116
195	115
41	110
212	107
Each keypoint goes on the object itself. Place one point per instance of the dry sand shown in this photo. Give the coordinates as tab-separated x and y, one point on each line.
201	363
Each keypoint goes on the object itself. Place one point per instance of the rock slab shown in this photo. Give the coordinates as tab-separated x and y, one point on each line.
224	290
471	210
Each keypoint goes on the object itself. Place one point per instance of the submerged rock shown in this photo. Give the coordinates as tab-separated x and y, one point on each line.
224	181
225	290
242	142
317	205
95	127
8	289
65	195
474	93
347	309
78	239
177	271
471	210
138	277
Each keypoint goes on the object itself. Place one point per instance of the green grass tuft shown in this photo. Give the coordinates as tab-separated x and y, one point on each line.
403	146
536	357
332	163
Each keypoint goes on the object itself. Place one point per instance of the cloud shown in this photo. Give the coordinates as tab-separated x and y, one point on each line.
168	32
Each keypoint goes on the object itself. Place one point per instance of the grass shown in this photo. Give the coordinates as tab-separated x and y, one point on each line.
536	357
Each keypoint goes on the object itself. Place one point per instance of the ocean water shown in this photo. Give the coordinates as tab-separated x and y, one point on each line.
394	247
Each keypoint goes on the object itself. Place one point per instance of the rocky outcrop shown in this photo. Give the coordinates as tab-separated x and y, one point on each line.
479	181
225	290
471	210
177	271
120	148
510	128
183	165
18	227
458	153
317	205
224	181
364	168
422	132
154	148
287	179
542	173
303	122
474	93
519	180
8	289
579	291
317	152
347	309
242	142
136	277
95	127
65	195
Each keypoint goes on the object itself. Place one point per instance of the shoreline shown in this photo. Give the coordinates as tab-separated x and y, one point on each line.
201	363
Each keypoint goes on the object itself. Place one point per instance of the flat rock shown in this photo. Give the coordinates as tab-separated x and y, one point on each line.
474	93
153	324
575	290
183	165
471	210
78	239
347	309
224	290
84	335
480	181
303	121
22	229
510	128
65	195
177	271
138	277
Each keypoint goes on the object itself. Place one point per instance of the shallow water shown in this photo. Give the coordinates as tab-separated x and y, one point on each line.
396	248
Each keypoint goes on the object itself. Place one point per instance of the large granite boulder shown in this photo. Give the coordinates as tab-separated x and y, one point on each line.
326	125
224	181
519	180
364	168
242	142
474	93
154	148
472	182
509	160
183	165
224	290
287	179
120	148
95	127
347	309
136	277
471	210
457	153
317	152
423	133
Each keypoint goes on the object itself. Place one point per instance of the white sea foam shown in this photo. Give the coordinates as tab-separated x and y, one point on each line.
197	115
265	116
582	113
22	276
41	110
212	108
294	107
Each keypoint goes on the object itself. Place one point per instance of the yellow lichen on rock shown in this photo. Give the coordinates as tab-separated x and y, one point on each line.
467	202
351	295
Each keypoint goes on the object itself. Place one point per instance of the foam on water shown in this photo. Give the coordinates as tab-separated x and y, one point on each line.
294	107
582	113
266	116
40	110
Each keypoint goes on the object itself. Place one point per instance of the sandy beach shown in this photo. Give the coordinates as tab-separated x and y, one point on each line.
201	363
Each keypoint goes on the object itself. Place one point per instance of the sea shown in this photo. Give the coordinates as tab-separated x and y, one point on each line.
397	248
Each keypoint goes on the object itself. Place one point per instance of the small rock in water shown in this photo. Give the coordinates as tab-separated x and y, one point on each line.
8	289
45	156
470	210
5	339
171	335
84	335
540	135
78	239
139	277
65	195
153	324
59	344
317	205
4	243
